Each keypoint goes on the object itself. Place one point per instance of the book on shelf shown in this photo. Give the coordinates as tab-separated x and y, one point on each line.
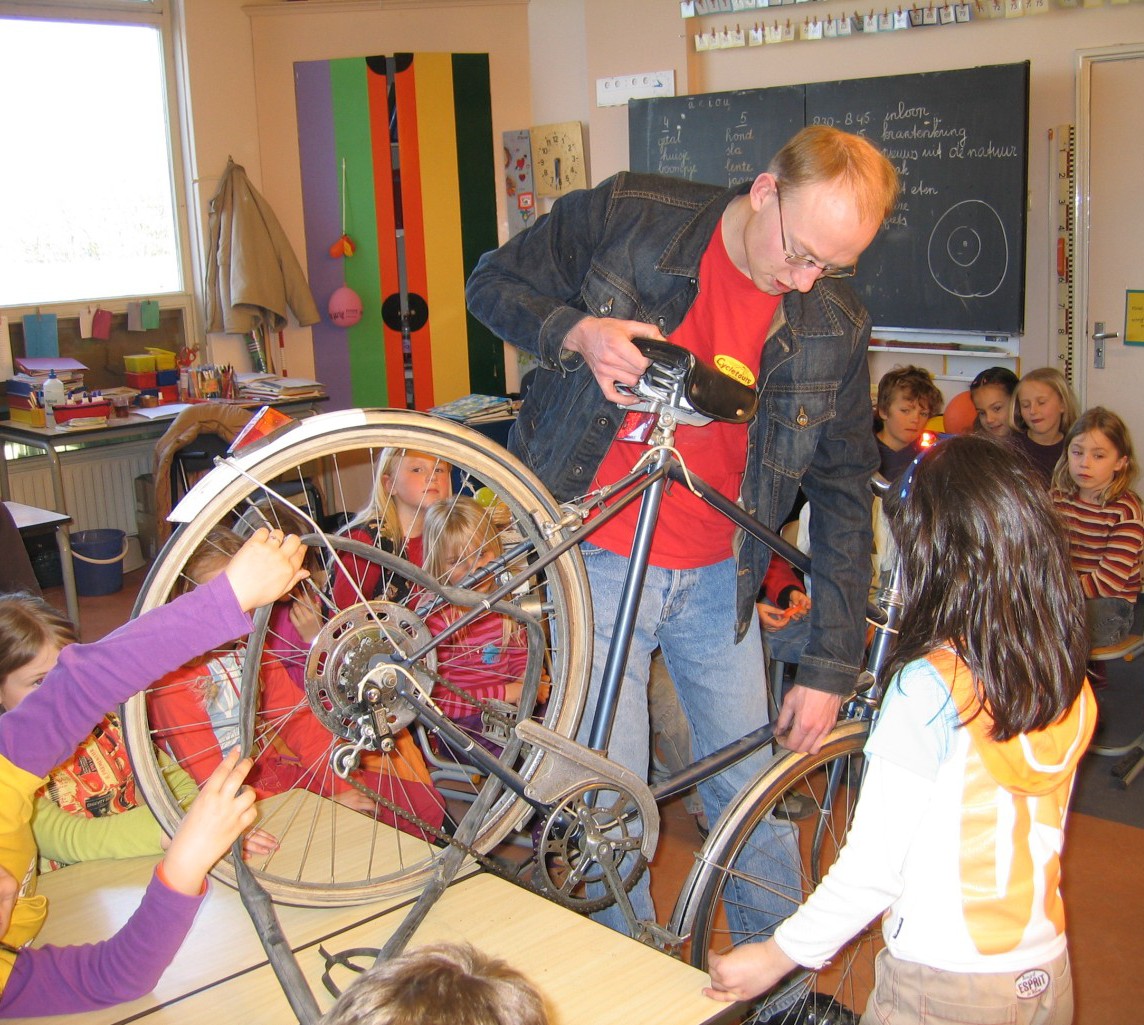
475	409
271	386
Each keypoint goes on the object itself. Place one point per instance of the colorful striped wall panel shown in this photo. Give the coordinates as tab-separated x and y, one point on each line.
426	216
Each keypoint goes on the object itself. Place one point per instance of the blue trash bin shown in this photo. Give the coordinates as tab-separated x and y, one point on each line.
98	559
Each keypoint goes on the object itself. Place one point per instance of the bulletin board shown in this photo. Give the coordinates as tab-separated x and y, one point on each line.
104	359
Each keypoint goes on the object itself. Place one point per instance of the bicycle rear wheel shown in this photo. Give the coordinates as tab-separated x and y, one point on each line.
771	847
339	844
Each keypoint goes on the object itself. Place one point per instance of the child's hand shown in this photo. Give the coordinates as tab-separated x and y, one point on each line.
305	618
355	800
747	971
772	617
513	692
258	842
9	890
799	607
223	809
265	568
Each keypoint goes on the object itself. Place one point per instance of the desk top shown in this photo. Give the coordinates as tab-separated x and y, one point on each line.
586	972
29	516
154	421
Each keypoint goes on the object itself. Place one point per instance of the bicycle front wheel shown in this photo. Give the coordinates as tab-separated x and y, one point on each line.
308	707
764	857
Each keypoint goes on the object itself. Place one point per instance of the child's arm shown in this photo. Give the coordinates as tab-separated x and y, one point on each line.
90	678
59	980
747	971
67	838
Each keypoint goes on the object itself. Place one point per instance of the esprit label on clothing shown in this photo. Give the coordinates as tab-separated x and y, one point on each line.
1032	983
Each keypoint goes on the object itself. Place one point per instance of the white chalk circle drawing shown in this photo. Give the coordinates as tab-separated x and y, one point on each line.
969	251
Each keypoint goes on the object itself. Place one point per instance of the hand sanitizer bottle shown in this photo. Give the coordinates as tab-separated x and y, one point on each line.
54	395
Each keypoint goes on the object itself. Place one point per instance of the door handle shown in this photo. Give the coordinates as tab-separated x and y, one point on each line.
1098	336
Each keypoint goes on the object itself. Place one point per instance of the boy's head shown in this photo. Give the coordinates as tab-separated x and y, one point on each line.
443	984
907	398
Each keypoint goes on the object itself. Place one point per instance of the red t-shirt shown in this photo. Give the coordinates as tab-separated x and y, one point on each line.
727	325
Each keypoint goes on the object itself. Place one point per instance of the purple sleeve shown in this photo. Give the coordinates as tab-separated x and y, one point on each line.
63	980
90	679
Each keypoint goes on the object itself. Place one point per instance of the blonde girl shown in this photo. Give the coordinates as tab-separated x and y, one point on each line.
488	658
1043	410
405	484
1092	491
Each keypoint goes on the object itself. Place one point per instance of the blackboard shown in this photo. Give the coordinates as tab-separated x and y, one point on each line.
952	255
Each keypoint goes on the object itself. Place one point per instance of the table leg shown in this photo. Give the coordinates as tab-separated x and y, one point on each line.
67	569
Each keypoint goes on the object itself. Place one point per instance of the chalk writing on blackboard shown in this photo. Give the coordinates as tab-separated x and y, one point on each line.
951	256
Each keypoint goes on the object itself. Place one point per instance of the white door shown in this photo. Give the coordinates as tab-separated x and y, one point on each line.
1110	155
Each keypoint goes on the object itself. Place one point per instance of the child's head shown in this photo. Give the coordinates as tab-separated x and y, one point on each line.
907	398
1044	405
208	560
986	569
1098	461
447	982
32	633
460	537
992	394
405	484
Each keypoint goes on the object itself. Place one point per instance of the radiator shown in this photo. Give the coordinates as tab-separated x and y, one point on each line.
99	484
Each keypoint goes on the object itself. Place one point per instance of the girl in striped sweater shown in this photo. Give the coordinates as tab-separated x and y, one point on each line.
1092	493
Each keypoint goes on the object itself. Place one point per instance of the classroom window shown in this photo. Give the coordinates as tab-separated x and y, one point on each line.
87	186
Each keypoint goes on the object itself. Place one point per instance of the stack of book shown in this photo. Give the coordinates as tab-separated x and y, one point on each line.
26	389
476	409
271	388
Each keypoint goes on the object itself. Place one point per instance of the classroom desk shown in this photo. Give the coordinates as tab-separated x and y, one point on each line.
31	522
117	431
588	974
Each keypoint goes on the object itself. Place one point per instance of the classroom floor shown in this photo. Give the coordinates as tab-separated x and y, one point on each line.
1103	879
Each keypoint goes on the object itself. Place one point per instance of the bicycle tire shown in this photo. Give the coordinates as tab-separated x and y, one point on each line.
793	784
343	448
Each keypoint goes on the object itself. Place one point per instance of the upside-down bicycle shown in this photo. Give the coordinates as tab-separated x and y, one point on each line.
372	678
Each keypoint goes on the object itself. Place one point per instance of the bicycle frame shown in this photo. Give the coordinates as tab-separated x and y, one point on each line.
646	485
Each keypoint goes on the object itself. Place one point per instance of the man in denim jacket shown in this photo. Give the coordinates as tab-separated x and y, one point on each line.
745	278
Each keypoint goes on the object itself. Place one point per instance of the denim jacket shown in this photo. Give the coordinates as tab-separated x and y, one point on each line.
630	249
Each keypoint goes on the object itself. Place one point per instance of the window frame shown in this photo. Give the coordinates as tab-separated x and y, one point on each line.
158	14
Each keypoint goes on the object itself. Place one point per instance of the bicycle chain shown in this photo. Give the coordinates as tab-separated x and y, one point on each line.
586	906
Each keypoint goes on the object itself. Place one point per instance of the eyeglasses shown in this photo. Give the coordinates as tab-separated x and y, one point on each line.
826	270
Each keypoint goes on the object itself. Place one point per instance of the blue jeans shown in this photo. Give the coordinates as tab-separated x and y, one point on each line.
690	614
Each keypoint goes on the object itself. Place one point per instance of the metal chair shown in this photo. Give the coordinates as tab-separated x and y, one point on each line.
1130	754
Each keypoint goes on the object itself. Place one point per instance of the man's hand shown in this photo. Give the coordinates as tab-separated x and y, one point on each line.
806	717
607	348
